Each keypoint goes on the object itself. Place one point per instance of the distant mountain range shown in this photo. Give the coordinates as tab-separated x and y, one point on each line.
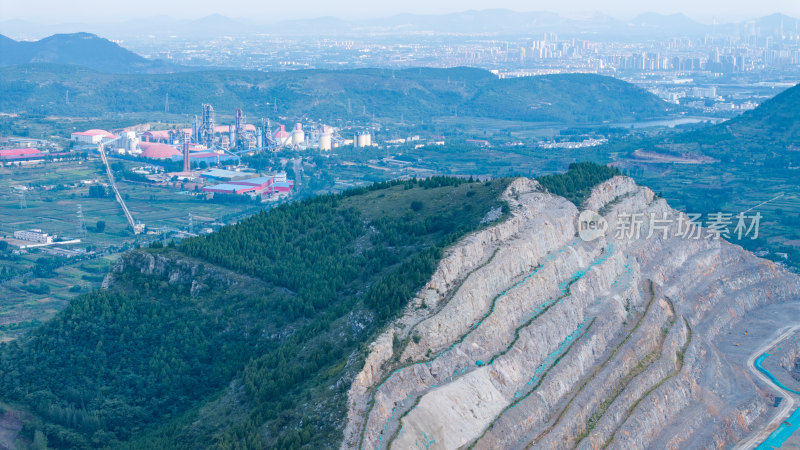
492	21
82	49
411	94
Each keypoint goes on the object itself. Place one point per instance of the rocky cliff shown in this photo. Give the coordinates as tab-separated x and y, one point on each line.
529	336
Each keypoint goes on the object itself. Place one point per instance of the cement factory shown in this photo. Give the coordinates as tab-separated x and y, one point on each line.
207	144
214	144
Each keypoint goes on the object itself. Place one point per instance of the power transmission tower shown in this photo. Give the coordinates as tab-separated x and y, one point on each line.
190	222
81	223
21	194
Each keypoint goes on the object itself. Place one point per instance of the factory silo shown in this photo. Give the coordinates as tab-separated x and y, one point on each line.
298	136
325	142
364	140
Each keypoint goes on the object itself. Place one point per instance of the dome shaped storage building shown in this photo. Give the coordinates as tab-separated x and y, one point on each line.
158	151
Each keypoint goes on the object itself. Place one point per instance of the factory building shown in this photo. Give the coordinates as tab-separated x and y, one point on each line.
20	153
225	175
34	235
210	158
258	185
229	188
91	136
28	155
129	142
157	136
280	186
227	129
282	137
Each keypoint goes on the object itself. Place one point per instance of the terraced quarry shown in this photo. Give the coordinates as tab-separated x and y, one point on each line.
528	336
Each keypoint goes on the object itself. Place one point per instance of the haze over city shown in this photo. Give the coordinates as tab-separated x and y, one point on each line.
93	10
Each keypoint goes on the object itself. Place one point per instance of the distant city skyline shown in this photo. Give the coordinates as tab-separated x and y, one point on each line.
88	11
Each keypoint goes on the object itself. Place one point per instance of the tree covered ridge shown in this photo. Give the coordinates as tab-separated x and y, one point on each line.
135	365
577	182
415	94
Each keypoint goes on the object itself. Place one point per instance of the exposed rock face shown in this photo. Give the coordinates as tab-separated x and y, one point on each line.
527	335
796	369
193	274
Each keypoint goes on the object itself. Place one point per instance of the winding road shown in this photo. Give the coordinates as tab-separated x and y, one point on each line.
787	406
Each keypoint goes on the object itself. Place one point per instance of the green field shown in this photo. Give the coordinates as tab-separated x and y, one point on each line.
22	310
54	210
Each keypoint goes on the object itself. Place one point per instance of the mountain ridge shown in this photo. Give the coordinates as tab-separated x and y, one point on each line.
411	94
539	338
82	49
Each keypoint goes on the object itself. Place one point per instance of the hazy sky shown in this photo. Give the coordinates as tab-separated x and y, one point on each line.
60	11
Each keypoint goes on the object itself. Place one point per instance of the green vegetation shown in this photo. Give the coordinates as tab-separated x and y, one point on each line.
413	94
97	191
576	184
51	204
732	167
246	338
35	288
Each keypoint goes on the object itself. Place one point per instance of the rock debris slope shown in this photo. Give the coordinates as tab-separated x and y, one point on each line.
528	336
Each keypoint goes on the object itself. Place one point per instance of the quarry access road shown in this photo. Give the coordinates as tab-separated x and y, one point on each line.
788	401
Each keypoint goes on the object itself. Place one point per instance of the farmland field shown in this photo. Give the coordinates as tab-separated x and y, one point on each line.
35	285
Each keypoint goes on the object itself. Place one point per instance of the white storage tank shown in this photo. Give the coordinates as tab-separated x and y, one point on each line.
325	142
298	136
364	140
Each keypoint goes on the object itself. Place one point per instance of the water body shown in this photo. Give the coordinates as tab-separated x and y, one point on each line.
669	123
788	426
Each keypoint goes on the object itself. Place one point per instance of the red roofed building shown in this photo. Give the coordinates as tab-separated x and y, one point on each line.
281	186
91	136
18	152
227	188
157	135
282	137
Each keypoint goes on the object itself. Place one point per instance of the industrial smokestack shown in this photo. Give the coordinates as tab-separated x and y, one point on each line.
186	163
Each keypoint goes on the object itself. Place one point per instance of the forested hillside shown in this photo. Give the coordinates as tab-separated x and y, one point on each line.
752	160
576	184
410	94
247	338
